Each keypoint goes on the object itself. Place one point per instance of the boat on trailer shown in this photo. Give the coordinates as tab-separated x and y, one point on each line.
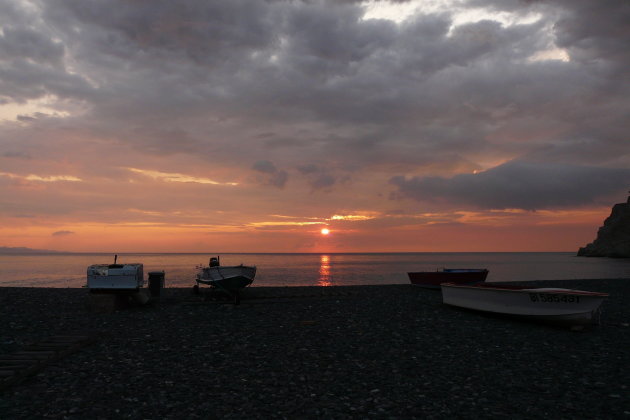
227	279
433	279
558	305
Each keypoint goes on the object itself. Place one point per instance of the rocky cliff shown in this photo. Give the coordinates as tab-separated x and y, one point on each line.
613	239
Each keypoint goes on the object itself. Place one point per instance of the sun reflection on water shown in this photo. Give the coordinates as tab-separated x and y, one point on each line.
325	279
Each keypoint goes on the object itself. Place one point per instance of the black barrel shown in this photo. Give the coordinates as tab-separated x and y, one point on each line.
156	282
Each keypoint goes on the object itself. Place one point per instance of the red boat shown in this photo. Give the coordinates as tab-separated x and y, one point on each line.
433	279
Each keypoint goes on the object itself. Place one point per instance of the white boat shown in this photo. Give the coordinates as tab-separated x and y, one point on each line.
575	307
115	276
228	279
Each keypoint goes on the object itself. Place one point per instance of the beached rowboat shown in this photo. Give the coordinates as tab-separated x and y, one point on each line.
575	307
433	279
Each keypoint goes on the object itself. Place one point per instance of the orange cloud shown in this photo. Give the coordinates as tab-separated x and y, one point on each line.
176	177
38	178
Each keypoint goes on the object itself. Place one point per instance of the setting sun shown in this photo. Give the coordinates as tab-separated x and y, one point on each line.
325	231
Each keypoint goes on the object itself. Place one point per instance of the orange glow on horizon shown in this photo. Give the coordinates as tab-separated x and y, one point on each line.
507	230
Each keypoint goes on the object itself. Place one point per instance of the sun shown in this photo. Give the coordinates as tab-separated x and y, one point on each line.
325	231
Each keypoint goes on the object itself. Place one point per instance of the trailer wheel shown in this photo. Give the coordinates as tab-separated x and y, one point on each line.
196	289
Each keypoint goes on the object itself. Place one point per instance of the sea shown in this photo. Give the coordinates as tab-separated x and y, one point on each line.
336	269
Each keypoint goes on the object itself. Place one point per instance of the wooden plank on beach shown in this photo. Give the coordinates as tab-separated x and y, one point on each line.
19	365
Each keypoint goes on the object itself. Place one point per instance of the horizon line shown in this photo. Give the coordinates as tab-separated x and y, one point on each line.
52	252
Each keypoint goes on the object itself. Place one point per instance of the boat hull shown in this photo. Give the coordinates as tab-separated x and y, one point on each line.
230	278
433	279
545	304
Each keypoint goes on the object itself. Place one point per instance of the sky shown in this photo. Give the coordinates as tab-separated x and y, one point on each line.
250	126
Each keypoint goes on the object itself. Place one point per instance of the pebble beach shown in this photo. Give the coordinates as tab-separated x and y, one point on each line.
391	352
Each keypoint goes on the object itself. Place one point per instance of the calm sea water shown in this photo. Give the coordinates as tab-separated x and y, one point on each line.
69	270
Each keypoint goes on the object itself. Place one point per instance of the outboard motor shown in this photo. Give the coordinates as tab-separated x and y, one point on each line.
214	262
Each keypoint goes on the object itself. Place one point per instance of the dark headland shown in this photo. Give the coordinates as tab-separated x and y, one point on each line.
306	352
613	238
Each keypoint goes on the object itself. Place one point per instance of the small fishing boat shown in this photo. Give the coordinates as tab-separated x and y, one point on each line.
122	280
128	276
433	279
575	307
227	279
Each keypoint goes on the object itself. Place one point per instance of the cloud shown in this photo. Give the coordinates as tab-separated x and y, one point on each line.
317	177
370	89
31	67
519	185
25	118
25	43
176	177
265	166
63	233
273	176
17	155
39	178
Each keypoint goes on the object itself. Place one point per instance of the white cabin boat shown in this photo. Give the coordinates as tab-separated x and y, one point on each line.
575	307
128	276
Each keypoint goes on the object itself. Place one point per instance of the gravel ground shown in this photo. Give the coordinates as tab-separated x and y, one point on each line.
343	352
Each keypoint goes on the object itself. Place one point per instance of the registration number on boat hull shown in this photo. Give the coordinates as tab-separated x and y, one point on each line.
553	298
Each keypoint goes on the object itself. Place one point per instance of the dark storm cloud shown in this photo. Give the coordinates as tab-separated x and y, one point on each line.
21	80
519	184
205	31
32	62
302	60
25	43
320	59
595	29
